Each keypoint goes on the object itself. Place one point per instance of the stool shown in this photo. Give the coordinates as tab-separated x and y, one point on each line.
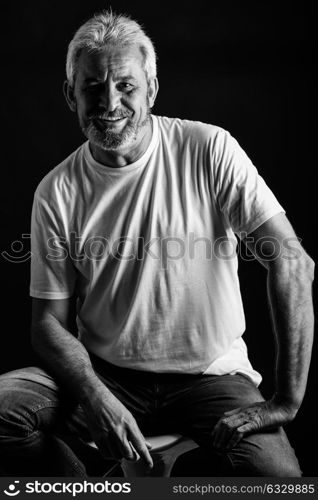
164	452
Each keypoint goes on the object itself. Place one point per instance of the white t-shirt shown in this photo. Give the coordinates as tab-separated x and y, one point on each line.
150	249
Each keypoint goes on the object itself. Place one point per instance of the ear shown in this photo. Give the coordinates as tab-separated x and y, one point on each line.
153	88
68	92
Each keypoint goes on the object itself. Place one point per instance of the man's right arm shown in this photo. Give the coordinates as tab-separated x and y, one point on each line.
112	426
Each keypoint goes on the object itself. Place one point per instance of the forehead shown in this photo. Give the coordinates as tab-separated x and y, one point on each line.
111	59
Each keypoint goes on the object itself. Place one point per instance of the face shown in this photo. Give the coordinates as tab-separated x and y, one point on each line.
112	97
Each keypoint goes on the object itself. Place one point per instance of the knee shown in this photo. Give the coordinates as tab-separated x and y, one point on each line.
290	469
270	454
267	466
14	417
275	467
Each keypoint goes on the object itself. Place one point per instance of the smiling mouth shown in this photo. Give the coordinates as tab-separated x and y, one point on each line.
111	120
108	122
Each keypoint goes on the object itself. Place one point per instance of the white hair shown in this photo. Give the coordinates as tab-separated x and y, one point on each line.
114	29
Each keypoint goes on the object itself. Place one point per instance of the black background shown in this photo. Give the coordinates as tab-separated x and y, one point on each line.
244	65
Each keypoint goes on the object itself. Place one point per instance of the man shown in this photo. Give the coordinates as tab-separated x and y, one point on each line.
139	225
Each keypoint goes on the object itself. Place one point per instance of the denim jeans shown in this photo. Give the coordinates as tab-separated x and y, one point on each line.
35	412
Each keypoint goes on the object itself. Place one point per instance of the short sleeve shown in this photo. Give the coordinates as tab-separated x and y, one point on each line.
242	194
53	275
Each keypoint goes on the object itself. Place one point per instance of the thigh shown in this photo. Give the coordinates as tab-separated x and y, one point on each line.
198	403
202	404
33	412
31	400
266	453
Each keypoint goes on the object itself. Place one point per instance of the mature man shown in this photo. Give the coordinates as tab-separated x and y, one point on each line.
139	225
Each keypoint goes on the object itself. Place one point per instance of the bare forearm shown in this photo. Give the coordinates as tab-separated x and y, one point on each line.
112	426
66	358
289	288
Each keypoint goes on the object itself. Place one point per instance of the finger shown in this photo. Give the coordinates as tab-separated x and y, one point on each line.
230	423
235	439
219	437
225	433
240	432
120	447
231	437
127	449
248	427
143	451
232	412
135	454
237	413
141	448
149	446
217	426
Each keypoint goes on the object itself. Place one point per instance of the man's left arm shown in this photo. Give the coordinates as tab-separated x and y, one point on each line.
289	282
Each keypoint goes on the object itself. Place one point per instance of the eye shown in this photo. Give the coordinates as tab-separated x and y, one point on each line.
92	87
125	87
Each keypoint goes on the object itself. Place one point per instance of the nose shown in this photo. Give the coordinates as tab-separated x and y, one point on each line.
110	98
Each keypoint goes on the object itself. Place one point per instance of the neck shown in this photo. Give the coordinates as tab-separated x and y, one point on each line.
125	156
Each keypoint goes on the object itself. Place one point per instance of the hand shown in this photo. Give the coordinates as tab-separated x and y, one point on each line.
236	424
114	429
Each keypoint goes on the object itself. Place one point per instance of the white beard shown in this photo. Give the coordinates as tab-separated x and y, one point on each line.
109	139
